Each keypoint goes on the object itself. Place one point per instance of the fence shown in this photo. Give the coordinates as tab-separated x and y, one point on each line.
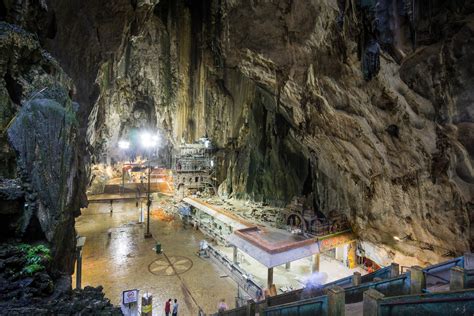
446	303
309	307
236	273
239	311
395	286
440	273
355	292
383	273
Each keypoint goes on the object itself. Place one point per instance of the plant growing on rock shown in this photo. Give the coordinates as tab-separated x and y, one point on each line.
37	257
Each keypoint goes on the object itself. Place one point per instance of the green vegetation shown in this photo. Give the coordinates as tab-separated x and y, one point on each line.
37	257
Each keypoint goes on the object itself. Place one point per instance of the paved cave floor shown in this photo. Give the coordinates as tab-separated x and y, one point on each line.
118	257
123	261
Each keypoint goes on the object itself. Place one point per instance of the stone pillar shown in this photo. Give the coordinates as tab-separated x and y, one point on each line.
370	304
269	278
468	261
468	270
394	270
337	301
417	280
315	263
457	279
356	279
234	255
352	255
288	265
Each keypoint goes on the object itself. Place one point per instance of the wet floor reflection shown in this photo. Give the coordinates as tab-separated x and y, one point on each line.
117	256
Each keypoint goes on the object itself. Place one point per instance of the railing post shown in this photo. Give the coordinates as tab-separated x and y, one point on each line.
417	280
469	270
356	278
261	307
250	308
469	261
457	279
394	270
336	301
370	303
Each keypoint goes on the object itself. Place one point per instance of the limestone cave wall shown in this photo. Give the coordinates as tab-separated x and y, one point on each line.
365	107
42	178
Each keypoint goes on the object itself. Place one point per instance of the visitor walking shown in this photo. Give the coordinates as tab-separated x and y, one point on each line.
168	307
175	307
259	295
222	306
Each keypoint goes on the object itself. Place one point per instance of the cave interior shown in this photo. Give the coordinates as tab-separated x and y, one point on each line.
282	131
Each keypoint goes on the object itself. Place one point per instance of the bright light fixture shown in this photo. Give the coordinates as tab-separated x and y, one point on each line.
148	140
396	238
206	143
212	163
123	144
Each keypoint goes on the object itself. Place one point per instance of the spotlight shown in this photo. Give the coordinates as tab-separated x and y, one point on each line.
123	144
148	140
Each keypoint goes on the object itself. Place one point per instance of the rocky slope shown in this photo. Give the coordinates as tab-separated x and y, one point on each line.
365	109
42	183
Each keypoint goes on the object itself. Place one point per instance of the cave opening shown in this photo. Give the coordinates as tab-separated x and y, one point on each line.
34	231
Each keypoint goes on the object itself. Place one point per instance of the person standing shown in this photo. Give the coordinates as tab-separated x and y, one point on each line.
222	306
168	307
175	307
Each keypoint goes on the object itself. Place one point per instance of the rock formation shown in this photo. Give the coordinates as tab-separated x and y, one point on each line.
39	138
363	106
42	183
300	106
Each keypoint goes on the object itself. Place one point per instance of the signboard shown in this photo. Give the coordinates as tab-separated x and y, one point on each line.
335	241
130	296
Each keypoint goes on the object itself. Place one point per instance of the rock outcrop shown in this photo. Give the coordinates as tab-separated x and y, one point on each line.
29	290
40	148
365	107
281	88
42	183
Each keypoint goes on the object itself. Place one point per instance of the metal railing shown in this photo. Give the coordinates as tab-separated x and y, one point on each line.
237	274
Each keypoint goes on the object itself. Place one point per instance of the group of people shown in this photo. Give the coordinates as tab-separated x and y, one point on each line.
171	310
